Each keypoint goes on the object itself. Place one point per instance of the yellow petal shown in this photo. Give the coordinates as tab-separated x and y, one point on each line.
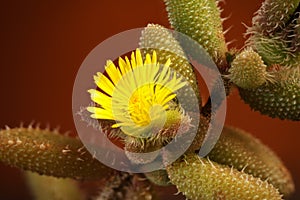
123	66
148	60
153	72
104	84
164	76
168	98
154	58
100	113
113	72
168	63
100	98
133	61
116	125
128	64
139	59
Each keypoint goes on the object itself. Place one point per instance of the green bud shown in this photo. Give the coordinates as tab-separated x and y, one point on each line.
248	70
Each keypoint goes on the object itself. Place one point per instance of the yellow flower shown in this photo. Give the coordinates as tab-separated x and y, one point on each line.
136	94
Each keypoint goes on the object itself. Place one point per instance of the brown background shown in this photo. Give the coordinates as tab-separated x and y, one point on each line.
44	42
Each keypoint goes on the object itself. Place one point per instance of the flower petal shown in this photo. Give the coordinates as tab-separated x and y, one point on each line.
113	72
104	83
100	113
101	99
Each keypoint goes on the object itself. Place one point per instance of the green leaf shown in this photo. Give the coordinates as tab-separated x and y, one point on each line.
49	153
200	19
198	178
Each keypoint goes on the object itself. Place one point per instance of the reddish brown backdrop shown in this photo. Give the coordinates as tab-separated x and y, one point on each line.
44	42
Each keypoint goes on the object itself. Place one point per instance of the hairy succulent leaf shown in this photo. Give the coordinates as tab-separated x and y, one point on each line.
49	153
275	50
279	100
274	34
238	149
200	19
291	34
273	16
160	39
198	178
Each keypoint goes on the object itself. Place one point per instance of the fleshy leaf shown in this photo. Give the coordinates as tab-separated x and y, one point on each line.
239	149
273	16
200	19
160	39
280	100
198	178
49	153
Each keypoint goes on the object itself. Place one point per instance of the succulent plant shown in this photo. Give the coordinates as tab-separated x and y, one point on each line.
277	42
147	101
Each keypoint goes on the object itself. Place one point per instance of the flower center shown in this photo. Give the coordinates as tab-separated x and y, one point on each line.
144	107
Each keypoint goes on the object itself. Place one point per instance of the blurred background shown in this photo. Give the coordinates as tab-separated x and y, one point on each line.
43	44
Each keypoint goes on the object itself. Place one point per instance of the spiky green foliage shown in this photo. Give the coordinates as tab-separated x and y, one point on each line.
274	32
276	50
280	100
275	37
248	70
50	188
160	39
291	33
201	179
239	149
200	19
242	167
49	153
273	16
